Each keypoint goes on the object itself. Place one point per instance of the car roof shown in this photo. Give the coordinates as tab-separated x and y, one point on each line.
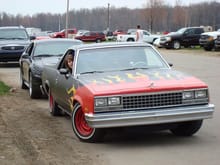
110	44
57	40
12	27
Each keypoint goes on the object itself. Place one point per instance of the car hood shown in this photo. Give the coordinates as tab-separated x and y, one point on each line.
46	61
173	34
139	81
213	34
14	42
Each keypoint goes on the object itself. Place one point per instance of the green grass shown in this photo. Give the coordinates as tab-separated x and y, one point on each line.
3	88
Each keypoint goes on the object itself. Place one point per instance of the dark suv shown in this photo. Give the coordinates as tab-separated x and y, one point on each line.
13	41
92	36
188	36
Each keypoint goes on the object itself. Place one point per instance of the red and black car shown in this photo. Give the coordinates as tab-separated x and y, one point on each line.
123	85
91	36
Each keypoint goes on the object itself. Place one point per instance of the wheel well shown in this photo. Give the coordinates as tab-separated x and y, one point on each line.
130	39
47	88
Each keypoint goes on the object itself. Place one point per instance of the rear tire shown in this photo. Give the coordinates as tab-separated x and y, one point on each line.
54	109
81	129
98	40
187	128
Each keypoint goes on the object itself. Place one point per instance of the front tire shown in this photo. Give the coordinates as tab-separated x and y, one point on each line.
176	45
130	40
208	48
34	87
187	128
23	86
81	129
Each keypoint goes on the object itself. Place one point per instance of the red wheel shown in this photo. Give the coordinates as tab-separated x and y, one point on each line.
54	109
82	130
81	124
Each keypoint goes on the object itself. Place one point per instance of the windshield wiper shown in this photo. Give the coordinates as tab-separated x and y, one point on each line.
44	55
2	38
91	72
18	38
134	68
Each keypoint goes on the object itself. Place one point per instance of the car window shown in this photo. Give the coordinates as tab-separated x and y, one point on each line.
198	31
113	59
29	49
62	63
146	33
15	34
52	48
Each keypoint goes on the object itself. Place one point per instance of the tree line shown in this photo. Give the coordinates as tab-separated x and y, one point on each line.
155	16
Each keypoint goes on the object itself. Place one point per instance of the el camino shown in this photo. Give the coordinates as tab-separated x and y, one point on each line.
123	85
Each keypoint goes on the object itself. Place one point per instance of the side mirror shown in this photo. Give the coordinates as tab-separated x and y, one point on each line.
63	71
25	55
32	37
170	64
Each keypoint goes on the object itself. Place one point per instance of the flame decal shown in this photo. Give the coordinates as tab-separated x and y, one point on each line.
71	92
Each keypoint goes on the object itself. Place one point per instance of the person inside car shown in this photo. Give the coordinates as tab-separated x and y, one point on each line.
69	61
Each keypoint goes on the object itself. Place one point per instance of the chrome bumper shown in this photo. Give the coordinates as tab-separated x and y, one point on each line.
149	117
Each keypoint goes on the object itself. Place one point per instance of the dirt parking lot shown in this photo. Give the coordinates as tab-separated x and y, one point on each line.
30	135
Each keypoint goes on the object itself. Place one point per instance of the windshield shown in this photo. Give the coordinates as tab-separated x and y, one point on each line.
115	59
181	31
12	34
52	48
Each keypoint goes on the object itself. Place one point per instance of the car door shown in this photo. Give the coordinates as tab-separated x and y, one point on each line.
64	86
146	37
25	62
190	37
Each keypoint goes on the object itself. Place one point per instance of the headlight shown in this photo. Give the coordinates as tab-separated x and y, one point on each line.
114	101
188	95
196	96
168	38
107	101
201	94
101	102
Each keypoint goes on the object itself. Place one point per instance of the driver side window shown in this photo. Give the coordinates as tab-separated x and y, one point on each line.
65	63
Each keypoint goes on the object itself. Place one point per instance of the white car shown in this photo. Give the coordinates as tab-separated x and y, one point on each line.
147	37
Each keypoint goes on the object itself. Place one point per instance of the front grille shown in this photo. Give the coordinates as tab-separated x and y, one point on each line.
204	37
162	39
152	101
13	48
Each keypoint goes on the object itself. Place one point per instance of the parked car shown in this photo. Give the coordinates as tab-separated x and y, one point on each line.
91	36
217	42
81	32
42	35
188	36
110	36
13	41
70	32
118	31
207	40
37	54
131	37
122	85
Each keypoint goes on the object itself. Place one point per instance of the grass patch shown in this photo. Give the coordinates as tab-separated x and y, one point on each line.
195	48
3	88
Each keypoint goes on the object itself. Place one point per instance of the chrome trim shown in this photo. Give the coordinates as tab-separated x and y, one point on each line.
126	102
149	117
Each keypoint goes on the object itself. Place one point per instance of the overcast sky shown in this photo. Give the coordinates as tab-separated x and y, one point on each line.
31	7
